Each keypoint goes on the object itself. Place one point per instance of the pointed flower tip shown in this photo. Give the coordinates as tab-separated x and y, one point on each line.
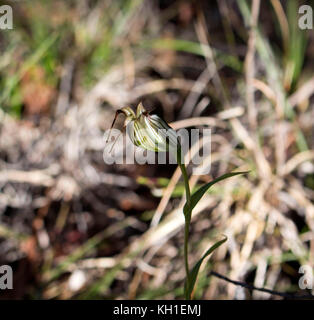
140	110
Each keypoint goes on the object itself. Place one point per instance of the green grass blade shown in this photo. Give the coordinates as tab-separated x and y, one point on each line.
195	48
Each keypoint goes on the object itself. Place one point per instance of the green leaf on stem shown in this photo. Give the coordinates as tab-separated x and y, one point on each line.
189	286
197	195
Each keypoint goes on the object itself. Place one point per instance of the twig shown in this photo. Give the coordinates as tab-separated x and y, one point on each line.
273	292
65	87
36	177
196	91
303	93
249	67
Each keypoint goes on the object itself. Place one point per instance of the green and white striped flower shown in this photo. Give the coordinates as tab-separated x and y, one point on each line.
147	131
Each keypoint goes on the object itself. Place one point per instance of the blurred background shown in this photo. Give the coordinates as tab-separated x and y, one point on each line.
72	227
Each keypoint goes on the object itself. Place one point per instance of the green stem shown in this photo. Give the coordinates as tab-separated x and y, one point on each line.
187	217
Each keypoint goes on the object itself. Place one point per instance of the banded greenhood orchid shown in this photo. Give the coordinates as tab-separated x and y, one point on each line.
148	131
